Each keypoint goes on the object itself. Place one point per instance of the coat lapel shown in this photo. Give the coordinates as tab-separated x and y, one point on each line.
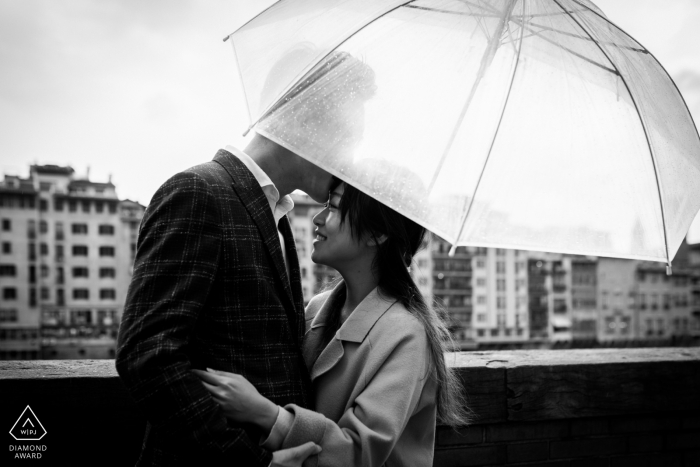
354	329
255	202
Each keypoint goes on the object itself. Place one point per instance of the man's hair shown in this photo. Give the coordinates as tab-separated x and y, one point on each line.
323	114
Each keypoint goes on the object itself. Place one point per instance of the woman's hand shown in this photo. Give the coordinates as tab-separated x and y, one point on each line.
239	399
294	457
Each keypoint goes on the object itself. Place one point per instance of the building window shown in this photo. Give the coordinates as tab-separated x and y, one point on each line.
481	282
72	205
99	206
43	249
59	253
9	293
32	274
559	305
32	297
44	271
481	317
81	294
58	205
80	250
31	229
45	293
8	270
60	297
501	285
6	225
480	263
32	252
59	275
81	272
107	272
481	299
480	332
500	267
108	294
112	207
106	229
59	230
8	315
85	205
79	229
654	300
43	205
43	227
80	317
106	251
500	252
501	303
7	248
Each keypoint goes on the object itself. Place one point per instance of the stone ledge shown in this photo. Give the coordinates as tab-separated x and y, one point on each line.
87	411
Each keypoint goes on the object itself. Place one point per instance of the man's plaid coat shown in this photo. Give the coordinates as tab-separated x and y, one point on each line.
210	289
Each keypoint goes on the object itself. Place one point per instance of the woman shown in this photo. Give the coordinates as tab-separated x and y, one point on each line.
374	349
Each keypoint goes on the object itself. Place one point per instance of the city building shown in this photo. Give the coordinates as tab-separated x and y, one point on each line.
584	300
67	252
500	298
452	287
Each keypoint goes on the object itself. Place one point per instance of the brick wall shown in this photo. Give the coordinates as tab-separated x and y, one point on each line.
573	408
641	440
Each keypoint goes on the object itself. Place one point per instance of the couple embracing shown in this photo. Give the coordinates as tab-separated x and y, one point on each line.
216	348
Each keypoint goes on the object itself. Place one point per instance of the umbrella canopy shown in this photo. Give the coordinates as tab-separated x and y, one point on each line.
526	124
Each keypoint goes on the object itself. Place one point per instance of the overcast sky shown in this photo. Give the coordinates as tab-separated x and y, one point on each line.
140	90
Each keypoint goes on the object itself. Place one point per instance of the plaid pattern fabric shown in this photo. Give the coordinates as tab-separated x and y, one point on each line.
210	289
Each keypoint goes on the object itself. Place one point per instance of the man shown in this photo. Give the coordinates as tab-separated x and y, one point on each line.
216	284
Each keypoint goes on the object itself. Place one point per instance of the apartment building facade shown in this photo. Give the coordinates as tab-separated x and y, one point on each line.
72	244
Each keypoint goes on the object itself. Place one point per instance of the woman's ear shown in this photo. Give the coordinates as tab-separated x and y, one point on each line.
374	241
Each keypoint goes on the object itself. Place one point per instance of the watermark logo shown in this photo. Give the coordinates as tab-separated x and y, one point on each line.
28	427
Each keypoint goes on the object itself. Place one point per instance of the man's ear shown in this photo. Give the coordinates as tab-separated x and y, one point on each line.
377	241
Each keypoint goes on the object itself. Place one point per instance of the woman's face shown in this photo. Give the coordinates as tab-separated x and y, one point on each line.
334	246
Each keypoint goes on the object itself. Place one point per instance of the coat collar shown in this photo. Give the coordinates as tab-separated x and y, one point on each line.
354	329
256	203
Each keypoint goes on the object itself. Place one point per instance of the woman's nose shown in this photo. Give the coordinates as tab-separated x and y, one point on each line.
320	218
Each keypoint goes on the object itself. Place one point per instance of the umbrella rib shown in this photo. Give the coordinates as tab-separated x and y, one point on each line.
644	128
330	51
493	141
547	28
486	59
592	62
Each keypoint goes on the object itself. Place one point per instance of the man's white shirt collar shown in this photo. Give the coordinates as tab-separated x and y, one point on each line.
279	207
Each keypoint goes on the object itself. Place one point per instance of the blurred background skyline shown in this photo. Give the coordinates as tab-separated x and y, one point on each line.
138	91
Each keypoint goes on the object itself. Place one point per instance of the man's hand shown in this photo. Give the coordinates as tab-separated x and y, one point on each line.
239	399
294	457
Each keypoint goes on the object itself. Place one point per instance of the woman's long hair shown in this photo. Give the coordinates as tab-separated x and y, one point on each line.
366	216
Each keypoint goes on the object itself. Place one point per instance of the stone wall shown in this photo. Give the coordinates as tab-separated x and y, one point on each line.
603	407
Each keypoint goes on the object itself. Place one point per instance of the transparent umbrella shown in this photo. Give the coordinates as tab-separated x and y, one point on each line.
525	124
